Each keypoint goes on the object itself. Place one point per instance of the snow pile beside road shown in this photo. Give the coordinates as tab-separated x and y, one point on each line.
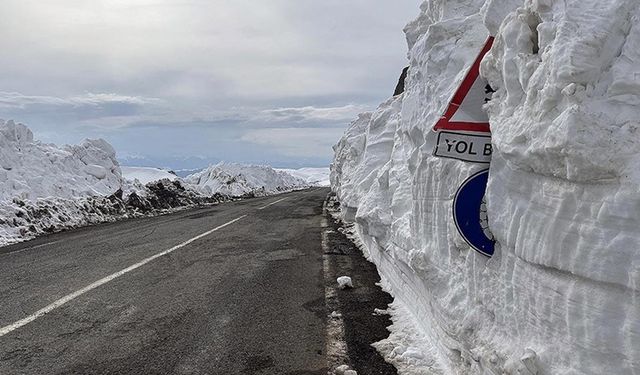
313	176
44	187
30	169
147	174
243	180
559	296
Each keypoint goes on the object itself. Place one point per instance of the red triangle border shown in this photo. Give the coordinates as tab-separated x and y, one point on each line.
460	94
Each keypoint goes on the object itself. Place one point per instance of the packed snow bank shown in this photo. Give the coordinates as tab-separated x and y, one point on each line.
146	174
313	176
560	295
44	187
242	180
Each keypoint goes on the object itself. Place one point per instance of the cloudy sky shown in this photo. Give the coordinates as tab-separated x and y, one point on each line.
180	83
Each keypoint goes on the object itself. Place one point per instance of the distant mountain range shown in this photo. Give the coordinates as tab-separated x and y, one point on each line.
184	166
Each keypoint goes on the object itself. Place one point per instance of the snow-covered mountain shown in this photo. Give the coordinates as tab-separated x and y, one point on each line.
146	174
559	295
240	179
45	188
313	176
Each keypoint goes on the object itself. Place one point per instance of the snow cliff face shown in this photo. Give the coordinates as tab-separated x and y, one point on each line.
560	295
239	180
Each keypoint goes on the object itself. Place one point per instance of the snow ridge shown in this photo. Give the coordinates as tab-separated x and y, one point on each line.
240	180
313	176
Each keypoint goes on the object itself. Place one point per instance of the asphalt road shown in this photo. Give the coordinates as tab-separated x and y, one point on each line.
237	288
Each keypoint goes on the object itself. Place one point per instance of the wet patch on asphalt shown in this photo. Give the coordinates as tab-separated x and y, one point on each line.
356	305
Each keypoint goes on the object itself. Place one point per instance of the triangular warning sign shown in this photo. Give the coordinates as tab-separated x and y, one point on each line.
464	112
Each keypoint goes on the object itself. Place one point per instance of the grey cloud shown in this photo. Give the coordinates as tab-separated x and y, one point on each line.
311	113
239	77
296	142
15	99
86	106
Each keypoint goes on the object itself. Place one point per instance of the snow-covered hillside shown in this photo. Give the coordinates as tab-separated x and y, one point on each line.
146	174
560	294
313	176
239	180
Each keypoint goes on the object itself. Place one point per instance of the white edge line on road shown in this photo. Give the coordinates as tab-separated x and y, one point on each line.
72	296
272	203
30	248
336	347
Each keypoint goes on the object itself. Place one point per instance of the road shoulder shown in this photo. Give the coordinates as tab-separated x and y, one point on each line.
353	324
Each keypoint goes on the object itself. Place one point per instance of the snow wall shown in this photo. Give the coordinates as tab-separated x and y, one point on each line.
561	293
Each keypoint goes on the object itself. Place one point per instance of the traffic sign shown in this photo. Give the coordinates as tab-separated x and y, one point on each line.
464	112
467	147
470	214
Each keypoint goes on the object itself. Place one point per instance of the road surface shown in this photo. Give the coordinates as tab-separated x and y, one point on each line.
237	288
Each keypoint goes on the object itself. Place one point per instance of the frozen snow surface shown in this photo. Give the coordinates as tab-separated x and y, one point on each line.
406	347
561	293
344	282
313	176
146	174
241	179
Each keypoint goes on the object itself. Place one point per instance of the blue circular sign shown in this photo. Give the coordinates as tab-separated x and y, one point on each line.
470	213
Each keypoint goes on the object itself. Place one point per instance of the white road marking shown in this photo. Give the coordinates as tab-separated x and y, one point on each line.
30	248
272	203
336	346
72	296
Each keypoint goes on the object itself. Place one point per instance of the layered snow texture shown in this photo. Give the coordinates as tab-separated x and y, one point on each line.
243	180
560	295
